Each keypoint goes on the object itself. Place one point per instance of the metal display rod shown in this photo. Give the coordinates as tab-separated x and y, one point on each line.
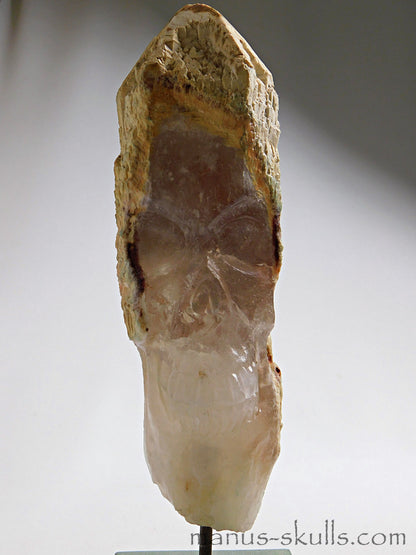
205	540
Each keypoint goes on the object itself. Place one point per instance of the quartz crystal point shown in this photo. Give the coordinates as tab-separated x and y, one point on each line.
198	249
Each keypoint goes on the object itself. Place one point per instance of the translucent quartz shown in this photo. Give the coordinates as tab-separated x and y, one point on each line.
204	253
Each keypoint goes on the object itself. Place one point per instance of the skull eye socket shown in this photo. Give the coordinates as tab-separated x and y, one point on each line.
248	238
161	243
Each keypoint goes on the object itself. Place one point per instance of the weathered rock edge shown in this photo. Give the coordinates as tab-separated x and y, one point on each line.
199	65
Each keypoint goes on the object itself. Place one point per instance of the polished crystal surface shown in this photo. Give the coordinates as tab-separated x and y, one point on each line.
204	248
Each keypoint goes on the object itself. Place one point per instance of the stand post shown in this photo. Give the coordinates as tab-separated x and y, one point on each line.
205	540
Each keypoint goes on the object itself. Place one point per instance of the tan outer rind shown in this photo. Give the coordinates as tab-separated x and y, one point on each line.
198	65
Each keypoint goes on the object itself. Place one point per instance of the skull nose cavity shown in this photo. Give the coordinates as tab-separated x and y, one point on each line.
206	300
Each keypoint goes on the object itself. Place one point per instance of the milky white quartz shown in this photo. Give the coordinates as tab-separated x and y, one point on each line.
198	205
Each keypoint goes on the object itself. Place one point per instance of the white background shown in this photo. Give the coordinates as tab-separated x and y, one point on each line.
72	471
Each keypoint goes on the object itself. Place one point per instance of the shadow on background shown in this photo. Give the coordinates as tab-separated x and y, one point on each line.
347	65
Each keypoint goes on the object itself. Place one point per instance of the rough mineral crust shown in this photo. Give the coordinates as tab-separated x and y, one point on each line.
197	208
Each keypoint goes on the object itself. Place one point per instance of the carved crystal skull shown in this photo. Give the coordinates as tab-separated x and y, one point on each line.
198	259
204	249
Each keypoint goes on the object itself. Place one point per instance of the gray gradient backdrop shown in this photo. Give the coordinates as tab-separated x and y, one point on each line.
72	471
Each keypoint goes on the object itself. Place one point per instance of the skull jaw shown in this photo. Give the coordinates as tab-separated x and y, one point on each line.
211	460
